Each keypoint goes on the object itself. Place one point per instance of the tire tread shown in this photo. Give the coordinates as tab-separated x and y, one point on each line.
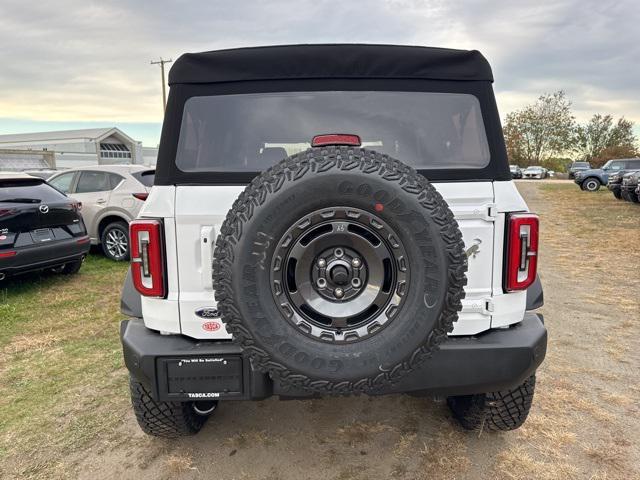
163	419
342	158
495	411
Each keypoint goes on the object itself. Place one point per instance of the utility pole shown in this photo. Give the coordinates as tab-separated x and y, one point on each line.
164	90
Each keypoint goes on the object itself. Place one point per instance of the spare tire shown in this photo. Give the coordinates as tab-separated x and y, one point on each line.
339	270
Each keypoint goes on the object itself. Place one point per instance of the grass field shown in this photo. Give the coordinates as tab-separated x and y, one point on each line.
65	412
62	382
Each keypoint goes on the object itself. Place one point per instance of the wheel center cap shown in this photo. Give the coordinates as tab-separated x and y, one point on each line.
340	275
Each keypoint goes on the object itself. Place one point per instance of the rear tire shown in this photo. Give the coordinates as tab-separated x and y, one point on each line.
591	185
166	419
617	194
633	196
496	411
72	267
115	241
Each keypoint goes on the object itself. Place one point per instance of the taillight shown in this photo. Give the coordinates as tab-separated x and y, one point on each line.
147	257
141	196
336	139
5	212
10	253
522	251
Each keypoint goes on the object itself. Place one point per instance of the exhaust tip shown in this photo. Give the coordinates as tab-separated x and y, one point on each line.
205	408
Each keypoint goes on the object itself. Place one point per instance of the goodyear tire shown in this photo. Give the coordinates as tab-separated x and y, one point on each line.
496	411
339	270
165	419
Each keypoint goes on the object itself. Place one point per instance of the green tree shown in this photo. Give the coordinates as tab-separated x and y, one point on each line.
602	138
540	130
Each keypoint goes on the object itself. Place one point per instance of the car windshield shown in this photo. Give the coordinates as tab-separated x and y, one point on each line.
251	132
580	165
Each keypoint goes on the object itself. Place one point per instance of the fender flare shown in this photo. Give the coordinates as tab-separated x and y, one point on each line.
130	298
535	295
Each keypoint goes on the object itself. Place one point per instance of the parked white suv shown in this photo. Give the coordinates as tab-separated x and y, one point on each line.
111	197
332	220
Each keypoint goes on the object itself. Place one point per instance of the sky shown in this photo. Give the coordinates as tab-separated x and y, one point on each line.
84	64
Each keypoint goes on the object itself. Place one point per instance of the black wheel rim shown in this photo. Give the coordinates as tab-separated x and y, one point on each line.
340	274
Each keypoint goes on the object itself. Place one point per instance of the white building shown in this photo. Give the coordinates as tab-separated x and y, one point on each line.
77	148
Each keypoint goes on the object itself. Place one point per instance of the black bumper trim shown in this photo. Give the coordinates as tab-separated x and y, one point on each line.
45	255
495	360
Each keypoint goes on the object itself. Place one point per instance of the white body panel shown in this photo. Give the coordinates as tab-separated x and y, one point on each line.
193	215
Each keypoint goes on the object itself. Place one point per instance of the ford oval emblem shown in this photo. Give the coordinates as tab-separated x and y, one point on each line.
208	312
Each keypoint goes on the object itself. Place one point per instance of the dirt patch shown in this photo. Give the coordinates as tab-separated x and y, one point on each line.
585	420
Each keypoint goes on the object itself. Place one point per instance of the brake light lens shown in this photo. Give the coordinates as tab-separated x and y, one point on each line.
147	257
336	139
141	196
522	251
10	253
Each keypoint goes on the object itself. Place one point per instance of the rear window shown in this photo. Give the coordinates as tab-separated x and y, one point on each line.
28	191
145	178
580	164
251	132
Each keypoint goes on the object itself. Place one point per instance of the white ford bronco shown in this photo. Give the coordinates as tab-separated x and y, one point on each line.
332	220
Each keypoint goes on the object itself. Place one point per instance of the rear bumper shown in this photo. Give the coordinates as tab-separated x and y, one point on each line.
45	255
496	360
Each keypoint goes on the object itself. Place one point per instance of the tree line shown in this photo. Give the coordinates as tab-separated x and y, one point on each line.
546	133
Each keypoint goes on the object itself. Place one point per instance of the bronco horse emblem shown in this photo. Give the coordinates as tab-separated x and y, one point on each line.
474	249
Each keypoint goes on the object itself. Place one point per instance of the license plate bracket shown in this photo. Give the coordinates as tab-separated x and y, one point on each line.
197	378
42	235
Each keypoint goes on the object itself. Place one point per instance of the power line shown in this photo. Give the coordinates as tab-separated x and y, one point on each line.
161	62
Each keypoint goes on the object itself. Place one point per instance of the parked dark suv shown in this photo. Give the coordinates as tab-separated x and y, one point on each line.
40	228
629	187
591	180
578	167
615	182
516	171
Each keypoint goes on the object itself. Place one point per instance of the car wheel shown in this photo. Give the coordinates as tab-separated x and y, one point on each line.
71	267
168	419
115	241
341	292
591	185
633	196
617	194
497	411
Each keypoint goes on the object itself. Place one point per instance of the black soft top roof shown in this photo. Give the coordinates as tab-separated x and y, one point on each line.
330	61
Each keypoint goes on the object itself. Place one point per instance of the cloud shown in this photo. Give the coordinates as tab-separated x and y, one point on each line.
89	61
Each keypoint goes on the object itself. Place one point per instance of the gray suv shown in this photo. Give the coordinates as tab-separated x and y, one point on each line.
591	180
111	197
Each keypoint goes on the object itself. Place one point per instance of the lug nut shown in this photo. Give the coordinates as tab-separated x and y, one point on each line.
356	262
356	282
338	292
322	263
321	283
338	252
